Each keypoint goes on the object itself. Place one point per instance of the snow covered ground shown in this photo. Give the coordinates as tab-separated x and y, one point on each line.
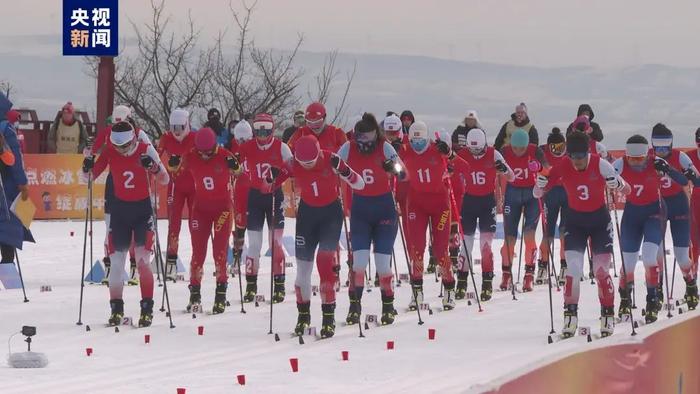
471	349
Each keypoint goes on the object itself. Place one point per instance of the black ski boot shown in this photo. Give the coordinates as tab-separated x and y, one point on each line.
570	320
541	272
625	301
376	280
303	318
388	310
448	301
691	293
251	288
462	282
417	298
278	290
328	321
220	298
355	306
652	309
486	286
108	266
146	317
607	321
195	304
117	306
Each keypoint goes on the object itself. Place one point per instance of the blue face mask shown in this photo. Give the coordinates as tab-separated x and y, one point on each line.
419	145
662	151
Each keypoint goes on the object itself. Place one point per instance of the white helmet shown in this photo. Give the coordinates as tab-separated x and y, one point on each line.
418	136
442	135
242	131
476	142
121	113
180	123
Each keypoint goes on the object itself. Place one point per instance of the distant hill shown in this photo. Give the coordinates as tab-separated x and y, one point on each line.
625	100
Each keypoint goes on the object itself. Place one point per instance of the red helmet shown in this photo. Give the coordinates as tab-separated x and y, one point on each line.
306	150
315	115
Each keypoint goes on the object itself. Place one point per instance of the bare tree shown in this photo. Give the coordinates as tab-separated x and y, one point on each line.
253	80
168	71
325	82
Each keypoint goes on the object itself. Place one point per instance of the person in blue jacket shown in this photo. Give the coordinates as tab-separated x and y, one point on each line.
14	183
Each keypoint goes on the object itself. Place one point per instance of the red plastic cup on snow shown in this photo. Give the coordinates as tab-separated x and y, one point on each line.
431	334
345	354
200	330
389	345
147	338
181	390
88	351
294	362
241	379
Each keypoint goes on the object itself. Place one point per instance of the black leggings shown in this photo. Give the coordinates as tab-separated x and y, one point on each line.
8	253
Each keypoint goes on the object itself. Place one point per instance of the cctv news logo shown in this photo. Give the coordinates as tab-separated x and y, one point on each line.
90	27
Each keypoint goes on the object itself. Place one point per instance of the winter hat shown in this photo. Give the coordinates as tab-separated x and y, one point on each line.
521	106
418	130
306	149
205	139
13	116
407	114
519	139
471	114
242	131
582	123
555	137
213	113
263	121
661	135
392	124
637	146
68	107
577	143
179	117
121	113
585	108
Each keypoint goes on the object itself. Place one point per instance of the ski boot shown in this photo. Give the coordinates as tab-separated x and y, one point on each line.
625	301
607	321
506	279
376	280
448	301
562	273
251	288
117	306
220	299
570	320
108	266
432	263
388	311
195	304
417	298
171	267
691	294
529	277
133	280
651	313
541	272
461	290
355	307
303	318
486	286
146	317
328	320
278	290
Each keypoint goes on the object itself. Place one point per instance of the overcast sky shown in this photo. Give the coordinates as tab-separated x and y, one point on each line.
521	32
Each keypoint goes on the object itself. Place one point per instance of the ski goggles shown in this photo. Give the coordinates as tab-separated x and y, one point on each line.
636	161
314	124
262	129
178	128
662	151
206	155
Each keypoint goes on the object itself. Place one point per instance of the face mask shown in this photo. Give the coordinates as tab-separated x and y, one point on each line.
179	131
209	154
419	145
637	163
662	151
366	142
557	149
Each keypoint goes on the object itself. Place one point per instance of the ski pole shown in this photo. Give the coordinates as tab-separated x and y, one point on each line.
21	279
505	238
663	253
522	236
549	264
82	275
622	260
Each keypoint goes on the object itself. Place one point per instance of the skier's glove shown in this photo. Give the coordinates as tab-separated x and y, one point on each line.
541	181
397	145
442	147
534	166
88	163
661	165
340	166
501	167
614	183
233	164
389	166
148	163
174	161
690	174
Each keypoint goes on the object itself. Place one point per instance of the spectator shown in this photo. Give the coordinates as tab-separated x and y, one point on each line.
459	135
407	120
14	183
67	133
518	120
14	117
298	122
596	133
214	123
231	125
